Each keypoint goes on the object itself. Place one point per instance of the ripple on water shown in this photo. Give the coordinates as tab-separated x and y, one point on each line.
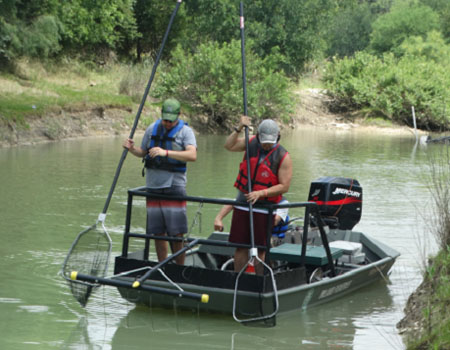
10	301
34	308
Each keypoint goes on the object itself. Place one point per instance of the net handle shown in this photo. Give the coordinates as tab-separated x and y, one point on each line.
141	106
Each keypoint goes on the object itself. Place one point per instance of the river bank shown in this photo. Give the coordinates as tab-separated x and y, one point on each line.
311	112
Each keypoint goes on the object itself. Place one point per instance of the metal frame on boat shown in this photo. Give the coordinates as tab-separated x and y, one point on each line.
309	273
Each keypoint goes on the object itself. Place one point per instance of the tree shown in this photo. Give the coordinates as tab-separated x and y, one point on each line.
28	28
406	18
294	29
91	25
441	7
211	20
152	18
349	30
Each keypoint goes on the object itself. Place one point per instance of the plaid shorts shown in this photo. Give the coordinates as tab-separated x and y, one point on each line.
167	216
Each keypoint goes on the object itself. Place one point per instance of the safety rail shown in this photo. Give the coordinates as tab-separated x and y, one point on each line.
311	208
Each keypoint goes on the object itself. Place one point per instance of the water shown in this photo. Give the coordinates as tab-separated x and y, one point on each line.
51	192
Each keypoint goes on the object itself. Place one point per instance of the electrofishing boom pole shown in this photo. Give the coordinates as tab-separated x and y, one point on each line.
141	106
244	93
253	250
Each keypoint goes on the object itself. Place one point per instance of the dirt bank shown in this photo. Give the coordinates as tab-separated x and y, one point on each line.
65	124
311	111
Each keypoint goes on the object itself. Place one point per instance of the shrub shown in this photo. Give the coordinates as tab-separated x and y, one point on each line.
210	81
39	39
390	86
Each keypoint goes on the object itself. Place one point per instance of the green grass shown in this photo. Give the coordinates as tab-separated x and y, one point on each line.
436	332
36	90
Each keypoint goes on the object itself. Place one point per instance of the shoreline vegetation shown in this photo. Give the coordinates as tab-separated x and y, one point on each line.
45	104
426	324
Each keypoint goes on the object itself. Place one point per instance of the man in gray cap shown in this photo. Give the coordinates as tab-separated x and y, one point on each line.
271	169
167	145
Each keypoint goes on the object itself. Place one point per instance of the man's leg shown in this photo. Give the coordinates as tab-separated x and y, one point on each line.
161	248
240	258
175	219
259	268
176	246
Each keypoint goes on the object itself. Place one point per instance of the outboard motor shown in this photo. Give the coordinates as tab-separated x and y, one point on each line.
339	200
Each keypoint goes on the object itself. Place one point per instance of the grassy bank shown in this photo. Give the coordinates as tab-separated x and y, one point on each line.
36	90
427	321
57	100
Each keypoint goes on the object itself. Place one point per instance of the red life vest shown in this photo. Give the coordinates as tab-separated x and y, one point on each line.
265	173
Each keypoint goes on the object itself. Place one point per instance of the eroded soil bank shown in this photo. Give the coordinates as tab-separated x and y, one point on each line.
311	111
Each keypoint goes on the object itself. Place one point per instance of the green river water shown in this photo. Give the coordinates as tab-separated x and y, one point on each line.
50	192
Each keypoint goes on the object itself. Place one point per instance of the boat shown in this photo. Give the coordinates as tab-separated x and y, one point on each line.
318	260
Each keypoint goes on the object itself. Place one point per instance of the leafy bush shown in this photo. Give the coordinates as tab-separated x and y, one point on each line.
39	39
90	25
210	81
7	35
390	86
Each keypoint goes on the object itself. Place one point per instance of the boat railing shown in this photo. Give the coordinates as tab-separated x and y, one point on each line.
311	209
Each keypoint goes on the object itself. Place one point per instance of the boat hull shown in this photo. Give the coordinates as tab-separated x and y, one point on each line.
294	290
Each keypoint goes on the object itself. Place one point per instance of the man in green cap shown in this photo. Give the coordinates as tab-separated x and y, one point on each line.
167	145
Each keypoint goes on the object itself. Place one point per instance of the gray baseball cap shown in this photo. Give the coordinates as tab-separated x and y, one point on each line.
268	131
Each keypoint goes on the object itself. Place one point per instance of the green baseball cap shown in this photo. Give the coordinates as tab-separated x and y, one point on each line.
170	110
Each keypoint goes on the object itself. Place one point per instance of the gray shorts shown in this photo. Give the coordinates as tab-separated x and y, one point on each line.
167	216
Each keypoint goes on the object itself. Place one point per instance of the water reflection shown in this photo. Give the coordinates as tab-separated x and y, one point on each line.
330	326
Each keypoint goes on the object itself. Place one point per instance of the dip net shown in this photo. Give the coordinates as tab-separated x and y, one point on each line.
89	254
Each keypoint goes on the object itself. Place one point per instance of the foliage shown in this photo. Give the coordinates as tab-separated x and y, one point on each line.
390	86
441	7
135	80
439	188
90	24
432	48
216	20
152	18
349	30
293	28
434	331
39	39
210	81
406	18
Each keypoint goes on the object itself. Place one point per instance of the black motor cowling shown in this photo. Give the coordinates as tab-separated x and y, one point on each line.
339	200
